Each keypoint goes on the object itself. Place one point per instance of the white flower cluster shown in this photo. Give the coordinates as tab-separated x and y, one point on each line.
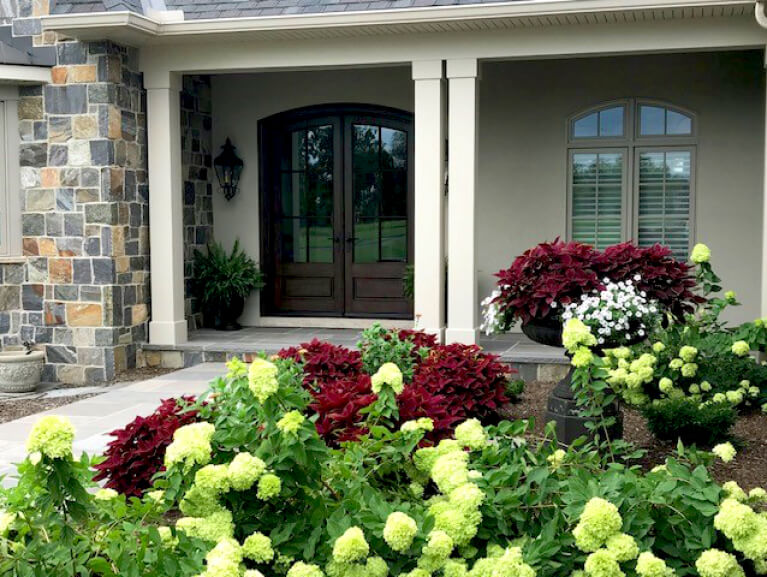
492	319
617	314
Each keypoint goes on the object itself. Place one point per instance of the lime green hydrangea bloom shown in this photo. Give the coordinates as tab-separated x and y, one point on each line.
675	364
575	333
244	470
351	546
417	572
694	389
105	494
744	527
623	547
689	370
658	347
725	451
213	528
190	446
648	565
599	521
436	551
387	374
399	531
740	348
422	424
301	569
258	547
700	253
556	459
236	368
602	563
705	386
734	397
582	357
262	379
731	296
52	436
252	573
665	385
757	495
425	457
716	563
416	490
291	422
732	490
688	353
450	471
511	564
471	434
213	479
376	567
224	559
199	503
719	398
466	498
454	568
269	486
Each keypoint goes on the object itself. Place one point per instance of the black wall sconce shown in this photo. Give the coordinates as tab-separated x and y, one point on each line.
228	169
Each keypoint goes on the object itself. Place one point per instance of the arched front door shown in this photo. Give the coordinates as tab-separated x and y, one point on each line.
337	211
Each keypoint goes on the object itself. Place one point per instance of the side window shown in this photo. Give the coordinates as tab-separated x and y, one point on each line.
631	168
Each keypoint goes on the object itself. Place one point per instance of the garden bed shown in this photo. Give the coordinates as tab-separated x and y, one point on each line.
12	409
748	469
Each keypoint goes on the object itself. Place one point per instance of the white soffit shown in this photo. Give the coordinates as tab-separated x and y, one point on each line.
136	30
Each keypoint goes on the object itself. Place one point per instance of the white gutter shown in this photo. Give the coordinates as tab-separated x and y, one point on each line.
93	25
18	74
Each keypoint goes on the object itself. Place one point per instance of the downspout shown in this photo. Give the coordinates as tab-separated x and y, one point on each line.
759	13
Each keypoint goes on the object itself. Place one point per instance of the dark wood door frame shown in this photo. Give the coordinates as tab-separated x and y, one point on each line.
341	116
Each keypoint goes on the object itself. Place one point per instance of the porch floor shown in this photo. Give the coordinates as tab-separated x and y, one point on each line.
512	348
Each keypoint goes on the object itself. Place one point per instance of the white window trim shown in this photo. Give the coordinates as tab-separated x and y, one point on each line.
630	145
11	234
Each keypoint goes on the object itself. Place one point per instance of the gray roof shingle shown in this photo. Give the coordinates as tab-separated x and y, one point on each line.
196	9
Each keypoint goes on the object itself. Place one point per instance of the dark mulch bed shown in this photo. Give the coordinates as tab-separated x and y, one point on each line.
11	409
749	468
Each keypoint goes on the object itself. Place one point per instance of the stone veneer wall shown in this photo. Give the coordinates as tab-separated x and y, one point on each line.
197	163
82	290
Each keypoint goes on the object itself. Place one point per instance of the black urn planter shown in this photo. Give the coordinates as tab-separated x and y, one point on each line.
225	315
562	407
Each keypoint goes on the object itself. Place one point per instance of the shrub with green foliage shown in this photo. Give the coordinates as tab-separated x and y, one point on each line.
689	420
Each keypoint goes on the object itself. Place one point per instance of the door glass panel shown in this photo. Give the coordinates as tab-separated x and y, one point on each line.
306	196
379	195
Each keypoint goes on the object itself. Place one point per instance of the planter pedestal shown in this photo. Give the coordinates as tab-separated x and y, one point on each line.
561	407
563	410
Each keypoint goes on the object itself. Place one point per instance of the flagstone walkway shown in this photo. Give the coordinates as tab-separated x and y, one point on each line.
96	416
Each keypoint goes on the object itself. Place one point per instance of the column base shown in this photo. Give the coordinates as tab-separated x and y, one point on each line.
167	332
465	336
439	333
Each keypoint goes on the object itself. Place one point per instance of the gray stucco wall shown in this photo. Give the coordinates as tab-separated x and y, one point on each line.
523	151
524	107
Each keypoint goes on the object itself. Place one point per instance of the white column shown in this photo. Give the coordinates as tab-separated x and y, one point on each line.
429	196
764	213
462	304
167	325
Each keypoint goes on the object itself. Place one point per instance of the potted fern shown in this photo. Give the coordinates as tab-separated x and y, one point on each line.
223	282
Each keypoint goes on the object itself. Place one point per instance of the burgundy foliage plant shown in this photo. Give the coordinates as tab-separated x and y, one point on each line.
324	362
553	274
138	451
472	383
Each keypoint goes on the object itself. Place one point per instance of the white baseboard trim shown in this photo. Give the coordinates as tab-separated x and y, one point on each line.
332	322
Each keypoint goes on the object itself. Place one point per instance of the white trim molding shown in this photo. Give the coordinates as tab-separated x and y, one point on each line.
17	74
136	29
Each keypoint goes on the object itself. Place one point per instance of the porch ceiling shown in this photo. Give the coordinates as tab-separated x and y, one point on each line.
134	29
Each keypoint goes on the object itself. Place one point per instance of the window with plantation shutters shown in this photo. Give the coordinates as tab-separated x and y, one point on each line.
597	188
631	175
664	187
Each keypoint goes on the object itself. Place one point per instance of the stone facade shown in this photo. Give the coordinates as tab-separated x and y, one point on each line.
81	291
197	163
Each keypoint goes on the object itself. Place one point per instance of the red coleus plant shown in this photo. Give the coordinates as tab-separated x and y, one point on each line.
545	278
324	362
138	450
472	383
338	404
653	270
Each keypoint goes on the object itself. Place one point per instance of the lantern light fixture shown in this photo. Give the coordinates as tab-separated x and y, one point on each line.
228	169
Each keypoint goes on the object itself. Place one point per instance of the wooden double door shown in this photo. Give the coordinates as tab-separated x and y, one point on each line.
337	210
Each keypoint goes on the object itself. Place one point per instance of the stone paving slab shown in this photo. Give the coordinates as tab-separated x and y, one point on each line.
95	417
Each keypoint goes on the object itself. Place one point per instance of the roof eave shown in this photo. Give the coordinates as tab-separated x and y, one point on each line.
135	29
